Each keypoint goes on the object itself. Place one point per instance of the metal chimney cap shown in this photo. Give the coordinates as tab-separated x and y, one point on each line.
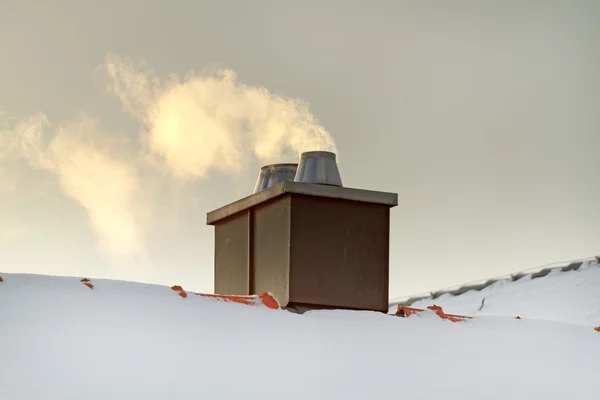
318	167
273	174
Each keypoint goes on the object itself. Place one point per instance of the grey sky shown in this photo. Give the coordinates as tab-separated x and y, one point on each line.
484	116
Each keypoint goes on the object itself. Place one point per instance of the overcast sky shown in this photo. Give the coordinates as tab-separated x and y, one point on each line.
123	122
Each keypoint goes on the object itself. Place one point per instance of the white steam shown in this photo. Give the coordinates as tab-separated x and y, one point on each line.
91	170
190	126
210	121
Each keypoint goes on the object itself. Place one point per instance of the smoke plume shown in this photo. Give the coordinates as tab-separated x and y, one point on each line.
91	169
210	121
189	127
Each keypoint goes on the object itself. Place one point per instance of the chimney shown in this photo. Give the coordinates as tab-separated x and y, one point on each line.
309	241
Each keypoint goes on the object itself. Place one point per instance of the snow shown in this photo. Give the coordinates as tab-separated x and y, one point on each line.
572	296
121	340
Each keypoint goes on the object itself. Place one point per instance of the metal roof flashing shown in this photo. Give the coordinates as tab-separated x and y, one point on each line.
309	189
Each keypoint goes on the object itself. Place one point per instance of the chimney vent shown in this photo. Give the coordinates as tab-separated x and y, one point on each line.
318	167
271	175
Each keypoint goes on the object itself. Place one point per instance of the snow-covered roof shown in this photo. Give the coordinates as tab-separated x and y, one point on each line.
62	340
568	292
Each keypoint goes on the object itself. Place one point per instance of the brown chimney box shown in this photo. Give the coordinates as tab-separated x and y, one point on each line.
311	245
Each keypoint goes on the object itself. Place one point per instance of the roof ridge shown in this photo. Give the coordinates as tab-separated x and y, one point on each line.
570	265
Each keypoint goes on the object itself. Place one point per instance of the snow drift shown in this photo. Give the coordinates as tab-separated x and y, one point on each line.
121	340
